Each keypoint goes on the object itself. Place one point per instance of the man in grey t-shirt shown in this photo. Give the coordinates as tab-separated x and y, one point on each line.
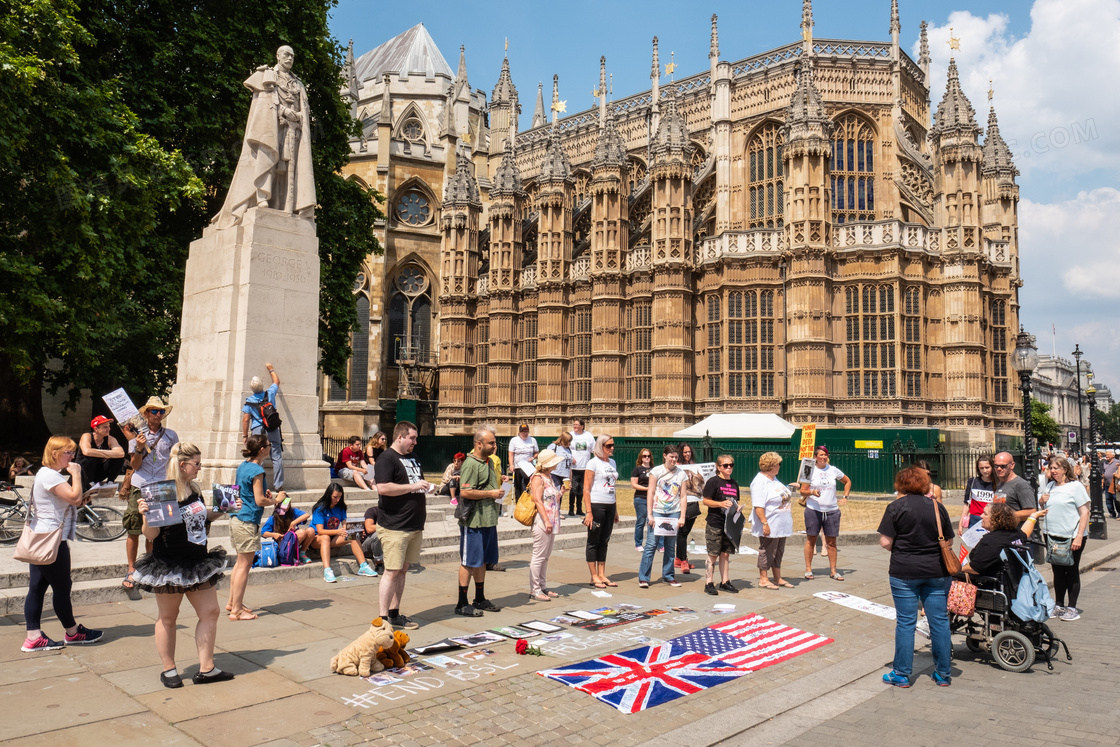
1108	471
1011	488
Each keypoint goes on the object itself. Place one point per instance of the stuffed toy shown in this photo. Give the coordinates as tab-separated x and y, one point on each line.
393	655
361	658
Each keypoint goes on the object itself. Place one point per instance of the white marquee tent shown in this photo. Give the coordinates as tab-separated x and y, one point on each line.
736	425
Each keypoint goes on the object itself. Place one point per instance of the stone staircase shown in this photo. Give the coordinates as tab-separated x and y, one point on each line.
99	567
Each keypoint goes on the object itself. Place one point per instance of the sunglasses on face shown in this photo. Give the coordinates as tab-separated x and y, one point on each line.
726	466
1002	466
155	411
608	446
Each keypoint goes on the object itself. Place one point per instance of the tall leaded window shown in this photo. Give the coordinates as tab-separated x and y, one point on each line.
765	179
853	170
870	337
579	373
639	363
750	344
912	341
998	327
482	361
527	369
715	346
359	357
410	315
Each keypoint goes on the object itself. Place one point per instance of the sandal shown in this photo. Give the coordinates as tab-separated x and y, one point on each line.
552	594
243	615
541	597
229	608
597	585
809	576
128	583
767	585
838	576
610	583
785	584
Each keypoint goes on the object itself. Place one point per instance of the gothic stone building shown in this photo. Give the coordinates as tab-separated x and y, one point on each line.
790	233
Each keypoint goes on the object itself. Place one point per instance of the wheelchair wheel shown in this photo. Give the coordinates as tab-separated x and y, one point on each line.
12	519
1013	651
974	645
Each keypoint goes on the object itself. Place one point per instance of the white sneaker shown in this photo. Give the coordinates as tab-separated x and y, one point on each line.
1057	612
1069	614
328	575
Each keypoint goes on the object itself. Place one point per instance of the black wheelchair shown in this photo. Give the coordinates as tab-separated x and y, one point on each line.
1015	644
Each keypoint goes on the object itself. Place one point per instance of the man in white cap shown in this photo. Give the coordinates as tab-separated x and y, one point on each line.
149	454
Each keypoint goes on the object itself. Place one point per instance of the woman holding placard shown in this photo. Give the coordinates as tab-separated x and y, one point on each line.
822	510
180	566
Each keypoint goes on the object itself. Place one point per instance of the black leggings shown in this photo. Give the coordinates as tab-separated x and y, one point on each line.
682	536
57	576
599	537
575	495
1067	578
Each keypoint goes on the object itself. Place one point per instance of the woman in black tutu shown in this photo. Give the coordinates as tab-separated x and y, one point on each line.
179	566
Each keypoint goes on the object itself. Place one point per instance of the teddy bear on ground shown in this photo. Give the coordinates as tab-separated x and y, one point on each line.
393	655
361	658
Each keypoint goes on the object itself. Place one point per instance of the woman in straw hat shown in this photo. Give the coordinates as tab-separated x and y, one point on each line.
548	499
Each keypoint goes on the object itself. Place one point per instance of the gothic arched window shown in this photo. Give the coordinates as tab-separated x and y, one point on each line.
410	315
765	178
413	208
853	170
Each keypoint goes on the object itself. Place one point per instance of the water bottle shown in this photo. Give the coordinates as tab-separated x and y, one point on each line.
692	546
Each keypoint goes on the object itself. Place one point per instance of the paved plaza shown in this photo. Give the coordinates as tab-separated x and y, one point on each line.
285	694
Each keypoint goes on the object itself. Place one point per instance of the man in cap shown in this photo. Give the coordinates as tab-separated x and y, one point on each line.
99	455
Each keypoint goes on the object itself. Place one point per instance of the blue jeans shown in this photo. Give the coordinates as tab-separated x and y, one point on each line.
1111	505
934	594
640	525
277	444
651	547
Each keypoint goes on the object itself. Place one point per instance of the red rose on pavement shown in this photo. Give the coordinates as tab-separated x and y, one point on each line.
521	646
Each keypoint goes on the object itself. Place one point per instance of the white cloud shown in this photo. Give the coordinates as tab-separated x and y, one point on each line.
1055	87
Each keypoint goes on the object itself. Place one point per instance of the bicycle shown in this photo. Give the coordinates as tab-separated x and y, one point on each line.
94	523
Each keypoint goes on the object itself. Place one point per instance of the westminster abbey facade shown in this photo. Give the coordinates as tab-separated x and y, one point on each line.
795	232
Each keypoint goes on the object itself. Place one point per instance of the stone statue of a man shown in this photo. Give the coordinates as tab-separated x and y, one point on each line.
275	169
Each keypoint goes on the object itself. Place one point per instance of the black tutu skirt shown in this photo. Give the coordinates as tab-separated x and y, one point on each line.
179	576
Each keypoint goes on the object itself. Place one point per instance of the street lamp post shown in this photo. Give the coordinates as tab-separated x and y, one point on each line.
1098	527
1080	423
1024	360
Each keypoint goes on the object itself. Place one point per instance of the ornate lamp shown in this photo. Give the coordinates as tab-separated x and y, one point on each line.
1024	360
1098	527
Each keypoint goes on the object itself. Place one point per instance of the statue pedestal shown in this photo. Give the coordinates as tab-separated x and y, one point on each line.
251	295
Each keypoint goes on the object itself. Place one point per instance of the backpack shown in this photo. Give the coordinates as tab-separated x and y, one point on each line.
289	549
270	419
1032	599
266	556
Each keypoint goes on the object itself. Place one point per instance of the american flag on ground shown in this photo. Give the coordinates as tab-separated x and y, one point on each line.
632	681
760	642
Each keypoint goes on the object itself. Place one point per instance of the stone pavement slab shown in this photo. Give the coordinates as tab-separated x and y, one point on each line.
65	700
136	730
268	718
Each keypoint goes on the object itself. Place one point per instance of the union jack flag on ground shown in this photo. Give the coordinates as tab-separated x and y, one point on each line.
632	681
760	642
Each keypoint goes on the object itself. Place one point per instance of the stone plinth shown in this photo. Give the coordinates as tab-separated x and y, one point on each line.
251	295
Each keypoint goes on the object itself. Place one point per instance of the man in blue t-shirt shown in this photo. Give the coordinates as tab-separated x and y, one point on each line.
251	421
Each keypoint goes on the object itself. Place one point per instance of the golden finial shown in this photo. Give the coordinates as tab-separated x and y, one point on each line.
954	42
670	66
560	107
991	91
507	43
466	137
594	94
612	85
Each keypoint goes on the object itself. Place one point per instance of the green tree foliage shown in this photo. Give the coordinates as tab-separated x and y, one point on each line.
1108	424
84	192
120	127
1045	428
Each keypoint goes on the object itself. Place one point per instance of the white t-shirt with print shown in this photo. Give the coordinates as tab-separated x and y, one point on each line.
775	500
581	448
825	481
606	475
522	449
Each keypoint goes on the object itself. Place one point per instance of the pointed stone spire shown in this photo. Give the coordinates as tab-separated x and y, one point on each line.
806	105
462	188
602	91
923	50
504	91
555	96
462	85
539	117
507	179
610	151
896	25
713	48
655	68
556	164
350	75
671	142
997	156
807	26
955	114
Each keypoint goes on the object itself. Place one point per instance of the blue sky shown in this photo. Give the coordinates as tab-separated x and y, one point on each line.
1054	65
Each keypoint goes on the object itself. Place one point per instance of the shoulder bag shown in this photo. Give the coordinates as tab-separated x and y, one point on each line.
526	509
948	557
39	548
1059	551
962	597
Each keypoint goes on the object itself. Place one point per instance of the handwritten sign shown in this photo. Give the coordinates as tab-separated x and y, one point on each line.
120	404
808	441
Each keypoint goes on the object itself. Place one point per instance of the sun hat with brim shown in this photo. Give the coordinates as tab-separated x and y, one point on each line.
155	403
548	458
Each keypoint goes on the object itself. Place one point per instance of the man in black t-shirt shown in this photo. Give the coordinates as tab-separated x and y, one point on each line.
401	489
721	494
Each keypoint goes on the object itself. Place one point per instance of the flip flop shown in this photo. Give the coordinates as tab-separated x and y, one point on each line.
244	615
597	585
786	584
552	594
611	583
541	597
809	576
838	576
229	608
767	585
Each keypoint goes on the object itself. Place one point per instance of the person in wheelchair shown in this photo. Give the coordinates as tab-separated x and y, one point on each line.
1003	532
